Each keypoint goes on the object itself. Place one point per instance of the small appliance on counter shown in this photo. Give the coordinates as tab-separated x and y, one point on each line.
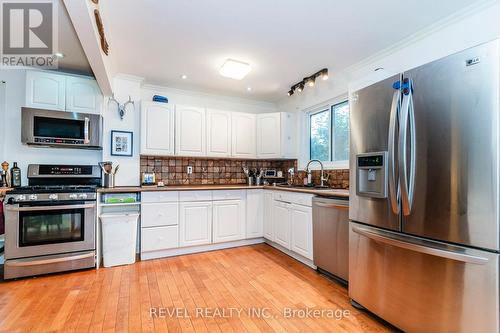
108	173
50	224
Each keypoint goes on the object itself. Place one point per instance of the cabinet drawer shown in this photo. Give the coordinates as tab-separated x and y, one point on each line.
159	238
195	196
296	198
228	194
160	196
159	214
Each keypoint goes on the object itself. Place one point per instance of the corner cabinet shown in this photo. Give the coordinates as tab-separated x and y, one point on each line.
190	131
157	129
47	90
243	135
218	133
275	133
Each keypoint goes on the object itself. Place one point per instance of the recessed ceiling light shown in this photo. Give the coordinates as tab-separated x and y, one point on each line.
235	69
59	55
249	88
184	76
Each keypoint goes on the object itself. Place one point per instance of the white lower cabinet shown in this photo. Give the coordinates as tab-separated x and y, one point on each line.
255	214
301	230
195	223
228	220
281	221
159	238
268	216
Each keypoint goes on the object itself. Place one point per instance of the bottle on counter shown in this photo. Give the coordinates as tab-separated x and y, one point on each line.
15	176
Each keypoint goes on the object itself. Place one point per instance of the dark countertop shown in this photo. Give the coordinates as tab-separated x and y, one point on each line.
326	193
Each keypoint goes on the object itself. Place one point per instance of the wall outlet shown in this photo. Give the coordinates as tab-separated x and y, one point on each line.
189	170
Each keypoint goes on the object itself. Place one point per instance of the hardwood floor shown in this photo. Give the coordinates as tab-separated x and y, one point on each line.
211	287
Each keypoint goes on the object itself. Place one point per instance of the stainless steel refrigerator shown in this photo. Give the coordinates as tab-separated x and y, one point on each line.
424	195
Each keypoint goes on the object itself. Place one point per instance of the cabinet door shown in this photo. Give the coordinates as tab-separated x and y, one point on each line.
157	129
190	129
255	213
281	220
195	223
268	216
269	135
243	133
45	90
228	220
301	230
218	133
83	95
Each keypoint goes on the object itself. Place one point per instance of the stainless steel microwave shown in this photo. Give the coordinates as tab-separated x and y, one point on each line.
61	129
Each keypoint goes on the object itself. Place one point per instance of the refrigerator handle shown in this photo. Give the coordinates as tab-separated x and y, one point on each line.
393	189
407	182
419	246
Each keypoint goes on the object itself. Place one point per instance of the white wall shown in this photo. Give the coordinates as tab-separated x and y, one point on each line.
14	151
454	33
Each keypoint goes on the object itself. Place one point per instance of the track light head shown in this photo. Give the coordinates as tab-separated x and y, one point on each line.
310	81
324	74
290	93
300	87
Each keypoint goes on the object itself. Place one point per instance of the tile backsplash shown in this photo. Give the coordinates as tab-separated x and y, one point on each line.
206	170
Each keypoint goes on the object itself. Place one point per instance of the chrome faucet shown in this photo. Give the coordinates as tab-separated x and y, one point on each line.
322	178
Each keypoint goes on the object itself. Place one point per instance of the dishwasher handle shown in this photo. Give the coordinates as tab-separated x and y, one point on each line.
331	205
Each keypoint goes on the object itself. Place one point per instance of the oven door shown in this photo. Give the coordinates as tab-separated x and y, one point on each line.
36	229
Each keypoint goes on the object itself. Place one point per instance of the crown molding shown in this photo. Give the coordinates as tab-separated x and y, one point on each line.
423	33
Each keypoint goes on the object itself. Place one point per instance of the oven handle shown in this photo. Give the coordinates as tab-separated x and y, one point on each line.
51	261
42	208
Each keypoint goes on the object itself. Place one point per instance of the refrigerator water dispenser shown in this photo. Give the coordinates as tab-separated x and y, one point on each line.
371	173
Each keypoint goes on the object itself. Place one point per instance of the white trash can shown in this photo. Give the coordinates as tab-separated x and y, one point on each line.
119	234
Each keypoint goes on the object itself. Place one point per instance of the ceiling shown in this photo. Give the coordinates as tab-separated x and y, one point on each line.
283	40
74	59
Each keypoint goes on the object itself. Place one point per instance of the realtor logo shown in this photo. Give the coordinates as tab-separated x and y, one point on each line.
29	33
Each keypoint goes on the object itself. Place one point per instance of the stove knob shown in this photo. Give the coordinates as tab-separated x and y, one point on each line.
53	196
73	196
82	196
32	197
21	197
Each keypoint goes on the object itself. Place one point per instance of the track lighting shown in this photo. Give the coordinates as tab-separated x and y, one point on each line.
309	81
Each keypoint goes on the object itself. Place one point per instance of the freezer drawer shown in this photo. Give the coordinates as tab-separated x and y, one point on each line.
446	288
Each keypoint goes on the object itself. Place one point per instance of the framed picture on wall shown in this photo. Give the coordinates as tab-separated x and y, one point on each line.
122	143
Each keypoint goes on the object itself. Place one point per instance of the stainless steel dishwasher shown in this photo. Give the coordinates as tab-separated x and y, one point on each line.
331	236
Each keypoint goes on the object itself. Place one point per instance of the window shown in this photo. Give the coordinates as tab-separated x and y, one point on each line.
329	133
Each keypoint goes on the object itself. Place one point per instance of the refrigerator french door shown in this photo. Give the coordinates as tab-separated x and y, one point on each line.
436	254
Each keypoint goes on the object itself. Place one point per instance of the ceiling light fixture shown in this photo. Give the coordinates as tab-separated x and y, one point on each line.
309	81
184	76
235	69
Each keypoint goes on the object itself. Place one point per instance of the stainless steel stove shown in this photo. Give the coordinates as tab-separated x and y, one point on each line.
50	224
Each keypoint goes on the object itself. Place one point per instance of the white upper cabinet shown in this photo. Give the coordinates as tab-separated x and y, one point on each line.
228	220
243	135
157	129
269	135
45	90
190	131
275	134
83	95
218	133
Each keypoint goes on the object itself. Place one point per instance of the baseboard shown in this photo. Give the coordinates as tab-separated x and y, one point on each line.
200	248
292	254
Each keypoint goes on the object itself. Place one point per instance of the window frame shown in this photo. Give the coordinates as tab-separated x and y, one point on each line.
310	115
305	156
